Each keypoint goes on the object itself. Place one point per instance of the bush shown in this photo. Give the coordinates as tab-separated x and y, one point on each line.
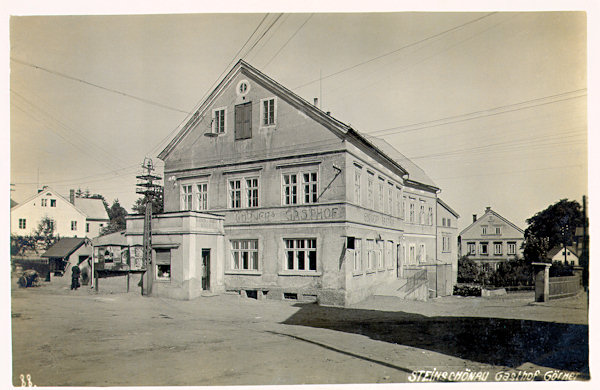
468	271
466	290
560	269
515	272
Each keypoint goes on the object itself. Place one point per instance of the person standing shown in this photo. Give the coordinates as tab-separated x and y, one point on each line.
75	272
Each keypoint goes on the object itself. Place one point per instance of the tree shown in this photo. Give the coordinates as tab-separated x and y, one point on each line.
116	214
19	245
468	271
45	234
551	227
157	204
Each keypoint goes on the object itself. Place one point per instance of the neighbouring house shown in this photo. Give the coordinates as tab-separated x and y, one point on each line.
66	253
74	217
267	195
447	246
560	254
490	240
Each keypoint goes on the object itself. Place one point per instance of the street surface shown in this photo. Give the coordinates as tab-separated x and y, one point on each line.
82	338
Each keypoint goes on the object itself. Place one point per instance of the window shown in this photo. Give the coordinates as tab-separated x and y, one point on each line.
484	230
202	196
422	253
218	126
357	187
186	197
235	194
310	185
379	253
268	112
243	121
52	202
390	199
448	222
443	221
445	244
87	227
51	224
498	230
380	193
301	254
244	255
430	217
370	198
497	248
252	192
370	254
355	244
163	263
404	208
399	206
470	248
483	248
22	223
512	248
73	225
422	213
412	212
290	188
309	181
412	258
44	202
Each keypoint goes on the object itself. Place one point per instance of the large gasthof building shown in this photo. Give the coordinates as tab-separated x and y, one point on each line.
266	194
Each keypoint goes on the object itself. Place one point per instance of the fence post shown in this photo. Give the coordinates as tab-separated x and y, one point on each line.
578	271
541	272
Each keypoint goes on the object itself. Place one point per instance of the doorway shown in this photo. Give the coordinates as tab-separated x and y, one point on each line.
205	269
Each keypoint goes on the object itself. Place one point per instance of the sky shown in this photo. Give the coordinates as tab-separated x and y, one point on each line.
492	105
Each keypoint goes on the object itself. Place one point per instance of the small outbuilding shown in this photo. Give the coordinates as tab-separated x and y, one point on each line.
66	253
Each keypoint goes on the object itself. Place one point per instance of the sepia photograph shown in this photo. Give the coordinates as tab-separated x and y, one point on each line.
262	196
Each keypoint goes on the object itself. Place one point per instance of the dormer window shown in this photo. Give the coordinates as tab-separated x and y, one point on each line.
268	112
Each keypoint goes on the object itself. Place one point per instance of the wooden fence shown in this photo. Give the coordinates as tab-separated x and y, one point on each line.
564	286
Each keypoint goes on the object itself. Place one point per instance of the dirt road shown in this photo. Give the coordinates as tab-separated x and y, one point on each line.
65	338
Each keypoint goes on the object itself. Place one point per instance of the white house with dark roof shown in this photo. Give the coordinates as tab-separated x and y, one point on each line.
267	195
491	239
72	218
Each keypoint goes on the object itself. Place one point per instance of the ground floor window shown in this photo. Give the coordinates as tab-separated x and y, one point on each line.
412	257
379	254
354	245
163	263
389	254
244	254
301	254
370	254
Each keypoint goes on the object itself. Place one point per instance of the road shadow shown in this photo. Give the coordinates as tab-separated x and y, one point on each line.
495	341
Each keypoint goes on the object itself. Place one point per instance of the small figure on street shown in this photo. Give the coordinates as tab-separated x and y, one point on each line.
75	272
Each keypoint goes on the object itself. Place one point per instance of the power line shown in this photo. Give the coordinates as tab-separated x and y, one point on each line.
288	41
510	172
395	51
263	34
253	55
97	85
475	114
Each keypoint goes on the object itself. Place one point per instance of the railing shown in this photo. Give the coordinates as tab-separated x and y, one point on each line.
564	286
416	280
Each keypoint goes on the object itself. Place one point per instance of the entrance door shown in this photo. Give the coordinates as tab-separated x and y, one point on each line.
205	269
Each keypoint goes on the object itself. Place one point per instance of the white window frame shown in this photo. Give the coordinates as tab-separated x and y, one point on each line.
390	199
23	223
471	248
216	129
389	253
306	249
498	249
186	198
404	209
370	254
170	266
512	248
357	179
381	195
262	112
370	191
74	226
357	254
422	212
422	253
248	248
484	230
412	254
379	249
201	196
498	230
44	203
430	216
252	199
398	202
300	187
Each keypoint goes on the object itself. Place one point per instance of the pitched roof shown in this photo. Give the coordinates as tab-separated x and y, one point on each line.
92	208
12	203
64	247
490	211
42	192
387	151
116	239
557	249
445	205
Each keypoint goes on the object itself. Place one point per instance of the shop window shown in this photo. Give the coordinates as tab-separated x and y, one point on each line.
244	255
163	263
301	254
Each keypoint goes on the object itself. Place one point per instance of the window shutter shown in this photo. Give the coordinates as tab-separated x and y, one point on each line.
243	121
163	256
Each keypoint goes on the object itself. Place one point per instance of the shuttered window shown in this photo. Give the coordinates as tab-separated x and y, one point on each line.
163	263
243	121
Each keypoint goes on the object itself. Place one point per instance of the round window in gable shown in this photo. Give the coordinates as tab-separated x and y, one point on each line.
243	88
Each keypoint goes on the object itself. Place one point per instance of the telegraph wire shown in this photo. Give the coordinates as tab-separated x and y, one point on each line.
263	34
396	50
288	41
253	55
511	172
97	85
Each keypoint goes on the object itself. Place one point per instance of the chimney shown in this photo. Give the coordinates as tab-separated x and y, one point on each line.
328	112
474	217
72	196
316	102
487	209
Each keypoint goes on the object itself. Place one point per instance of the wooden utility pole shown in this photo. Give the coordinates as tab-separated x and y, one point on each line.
150	191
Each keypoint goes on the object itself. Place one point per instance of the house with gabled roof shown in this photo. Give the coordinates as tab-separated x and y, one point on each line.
491	239
566	255
74	217
269	196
